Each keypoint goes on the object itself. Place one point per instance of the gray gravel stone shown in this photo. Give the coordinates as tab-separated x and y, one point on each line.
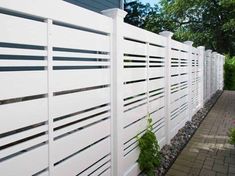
170	152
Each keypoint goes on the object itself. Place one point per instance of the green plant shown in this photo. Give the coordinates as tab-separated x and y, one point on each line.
231	135
149	157
229	75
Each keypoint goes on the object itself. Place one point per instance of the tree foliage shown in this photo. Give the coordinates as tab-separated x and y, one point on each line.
229	73
206	22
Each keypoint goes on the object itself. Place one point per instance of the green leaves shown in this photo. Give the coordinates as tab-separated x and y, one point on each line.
209	23
229	76
231	135
149	157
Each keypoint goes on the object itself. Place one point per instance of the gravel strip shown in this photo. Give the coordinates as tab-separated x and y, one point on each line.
170	152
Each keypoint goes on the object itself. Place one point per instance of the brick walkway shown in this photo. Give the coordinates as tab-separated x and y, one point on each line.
208	152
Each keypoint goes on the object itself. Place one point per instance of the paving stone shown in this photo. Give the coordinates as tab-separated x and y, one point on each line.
181	168
208	153
174	172
232	169
207	172
195	171
220	168
220	174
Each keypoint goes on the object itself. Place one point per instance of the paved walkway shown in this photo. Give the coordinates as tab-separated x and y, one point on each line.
208	153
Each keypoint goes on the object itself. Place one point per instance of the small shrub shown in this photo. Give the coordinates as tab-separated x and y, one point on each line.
229	73
231	135
149	157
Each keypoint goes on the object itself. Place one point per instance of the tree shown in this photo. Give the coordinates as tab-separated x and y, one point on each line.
136	12
206	22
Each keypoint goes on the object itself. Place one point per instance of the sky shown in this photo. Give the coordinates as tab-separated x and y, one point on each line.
151	2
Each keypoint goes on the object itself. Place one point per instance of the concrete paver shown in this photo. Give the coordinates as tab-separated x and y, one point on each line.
208	153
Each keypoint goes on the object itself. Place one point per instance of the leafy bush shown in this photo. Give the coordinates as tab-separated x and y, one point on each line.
149	157
229	73
231	135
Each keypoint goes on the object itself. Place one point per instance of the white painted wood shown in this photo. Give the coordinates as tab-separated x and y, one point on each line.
134	74
40	162
134	115
69	38
71	143
85	158
98	165
71	103
22	135
79	55
22	31
22	146
22	52
80	63
74	127
82	116
133	32
135	48
71	93
133	89
85	78
22	84
52	10
134	170
22	63
22	114
167	74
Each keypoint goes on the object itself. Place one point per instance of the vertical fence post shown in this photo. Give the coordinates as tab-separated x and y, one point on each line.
167	90
201	75
204	77
208	72
190	107
117	88
213	73
50	96
221	72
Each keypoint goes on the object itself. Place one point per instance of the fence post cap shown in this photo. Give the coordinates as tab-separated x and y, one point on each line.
201	47
190	43
209	50
114	12
168	34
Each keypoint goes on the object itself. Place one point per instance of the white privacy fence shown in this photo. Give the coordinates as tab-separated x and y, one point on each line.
76	87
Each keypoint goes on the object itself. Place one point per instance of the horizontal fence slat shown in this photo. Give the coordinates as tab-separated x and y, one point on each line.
24	134
22	146
38	9
134	48
85	78
40	162
69	38
22	31
61	54
22	52
22	63
85	159
21	84
87	136
80	63
22	114
71	103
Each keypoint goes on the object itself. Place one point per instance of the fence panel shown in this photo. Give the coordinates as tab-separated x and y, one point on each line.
76	89
23	98
55	75
179	87
143	90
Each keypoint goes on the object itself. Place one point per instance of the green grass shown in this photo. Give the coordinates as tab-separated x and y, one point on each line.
229	73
